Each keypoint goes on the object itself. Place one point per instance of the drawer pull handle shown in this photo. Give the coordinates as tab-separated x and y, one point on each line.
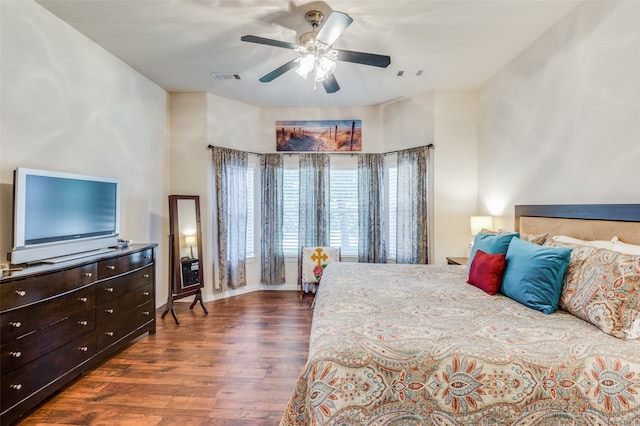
16	387
109	311
109	333
83	323
88	274
145	276
21	293
145	293
111	267
146	313
109	289
16	354
16	324
83	349
83	299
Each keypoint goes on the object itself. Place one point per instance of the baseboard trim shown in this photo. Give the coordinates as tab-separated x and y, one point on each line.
243	290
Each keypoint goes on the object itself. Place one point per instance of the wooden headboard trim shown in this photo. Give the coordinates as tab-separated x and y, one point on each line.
616	212
584	221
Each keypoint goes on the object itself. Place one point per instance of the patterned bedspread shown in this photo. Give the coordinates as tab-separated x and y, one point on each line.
417	345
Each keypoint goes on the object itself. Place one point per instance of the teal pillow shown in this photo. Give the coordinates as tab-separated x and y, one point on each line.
490	244
534	274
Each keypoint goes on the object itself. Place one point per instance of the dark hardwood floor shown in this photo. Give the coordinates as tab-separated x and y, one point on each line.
235	366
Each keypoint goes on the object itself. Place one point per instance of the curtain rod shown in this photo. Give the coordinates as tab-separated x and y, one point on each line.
430	146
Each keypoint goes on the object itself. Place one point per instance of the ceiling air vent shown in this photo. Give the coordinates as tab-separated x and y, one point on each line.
418	73
225	76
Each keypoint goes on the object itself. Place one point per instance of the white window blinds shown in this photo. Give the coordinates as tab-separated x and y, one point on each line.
343	202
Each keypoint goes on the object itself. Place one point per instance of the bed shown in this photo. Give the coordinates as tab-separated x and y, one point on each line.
418	345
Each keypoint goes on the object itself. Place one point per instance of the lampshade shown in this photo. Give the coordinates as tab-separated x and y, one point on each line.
190	240
479	222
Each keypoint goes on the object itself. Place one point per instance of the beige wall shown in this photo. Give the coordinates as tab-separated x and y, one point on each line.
560	123
68	105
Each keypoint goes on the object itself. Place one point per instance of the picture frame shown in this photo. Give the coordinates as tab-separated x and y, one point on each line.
319	135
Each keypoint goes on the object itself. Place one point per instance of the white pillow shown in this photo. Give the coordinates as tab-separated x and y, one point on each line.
596	243
625	248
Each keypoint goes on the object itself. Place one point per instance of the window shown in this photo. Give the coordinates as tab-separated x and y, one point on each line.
392	211
291	202
250	215
343	207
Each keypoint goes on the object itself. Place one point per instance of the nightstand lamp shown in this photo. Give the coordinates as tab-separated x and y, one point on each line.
478	223
190	240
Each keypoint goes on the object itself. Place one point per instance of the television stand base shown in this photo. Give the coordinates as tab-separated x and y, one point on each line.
75	256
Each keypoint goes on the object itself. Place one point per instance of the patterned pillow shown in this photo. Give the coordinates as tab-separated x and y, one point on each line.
530	238
603	287
539	239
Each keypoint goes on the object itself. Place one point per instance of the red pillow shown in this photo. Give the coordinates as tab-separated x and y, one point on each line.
486	271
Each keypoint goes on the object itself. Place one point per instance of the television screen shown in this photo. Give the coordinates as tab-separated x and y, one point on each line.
60	214
58	209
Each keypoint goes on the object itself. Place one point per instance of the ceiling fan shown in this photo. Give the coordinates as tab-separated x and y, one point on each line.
317	56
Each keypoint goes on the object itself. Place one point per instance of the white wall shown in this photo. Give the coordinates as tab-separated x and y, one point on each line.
560	123
68	105
455	172
409	123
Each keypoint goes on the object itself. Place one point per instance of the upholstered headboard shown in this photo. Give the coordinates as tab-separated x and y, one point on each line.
584	221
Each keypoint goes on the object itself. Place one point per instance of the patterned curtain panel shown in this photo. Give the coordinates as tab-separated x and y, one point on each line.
372	247
230	171
272	257
412	216
313	228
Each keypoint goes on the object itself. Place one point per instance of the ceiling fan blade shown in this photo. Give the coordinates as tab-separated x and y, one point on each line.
268	41
330	84
279	71
372	59
333	27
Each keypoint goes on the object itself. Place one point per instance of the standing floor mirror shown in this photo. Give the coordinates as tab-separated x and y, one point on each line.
185	252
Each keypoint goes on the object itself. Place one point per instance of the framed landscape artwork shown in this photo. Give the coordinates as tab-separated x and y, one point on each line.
319	135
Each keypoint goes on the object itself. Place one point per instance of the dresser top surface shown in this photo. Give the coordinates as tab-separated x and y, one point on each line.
45	268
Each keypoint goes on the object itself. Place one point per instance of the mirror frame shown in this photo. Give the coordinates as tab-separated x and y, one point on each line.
176	277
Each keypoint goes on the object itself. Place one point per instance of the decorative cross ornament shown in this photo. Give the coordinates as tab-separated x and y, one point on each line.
319	256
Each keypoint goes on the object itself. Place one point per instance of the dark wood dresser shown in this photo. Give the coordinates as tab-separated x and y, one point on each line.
60	320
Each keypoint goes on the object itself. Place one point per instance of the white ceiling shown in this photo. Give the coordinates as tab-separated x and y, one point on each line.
179	43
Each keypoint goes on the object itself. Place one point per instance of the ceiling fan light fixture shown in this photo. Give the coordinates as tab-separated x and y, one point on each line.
324	68
316	54
318	58
306	65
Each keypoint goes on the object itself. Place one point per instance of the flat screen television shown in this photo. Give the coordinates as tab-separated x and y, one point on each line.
61	215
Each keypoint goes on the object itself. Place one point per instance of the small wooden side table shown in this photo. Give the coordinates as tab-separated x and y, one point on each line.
457	260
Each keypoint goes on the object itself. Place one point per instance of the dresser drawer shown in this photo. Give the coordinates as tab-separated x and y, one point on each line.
31	346
112	328
114	288
142	258
118	308
25	291
123	264
19	322
24	381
